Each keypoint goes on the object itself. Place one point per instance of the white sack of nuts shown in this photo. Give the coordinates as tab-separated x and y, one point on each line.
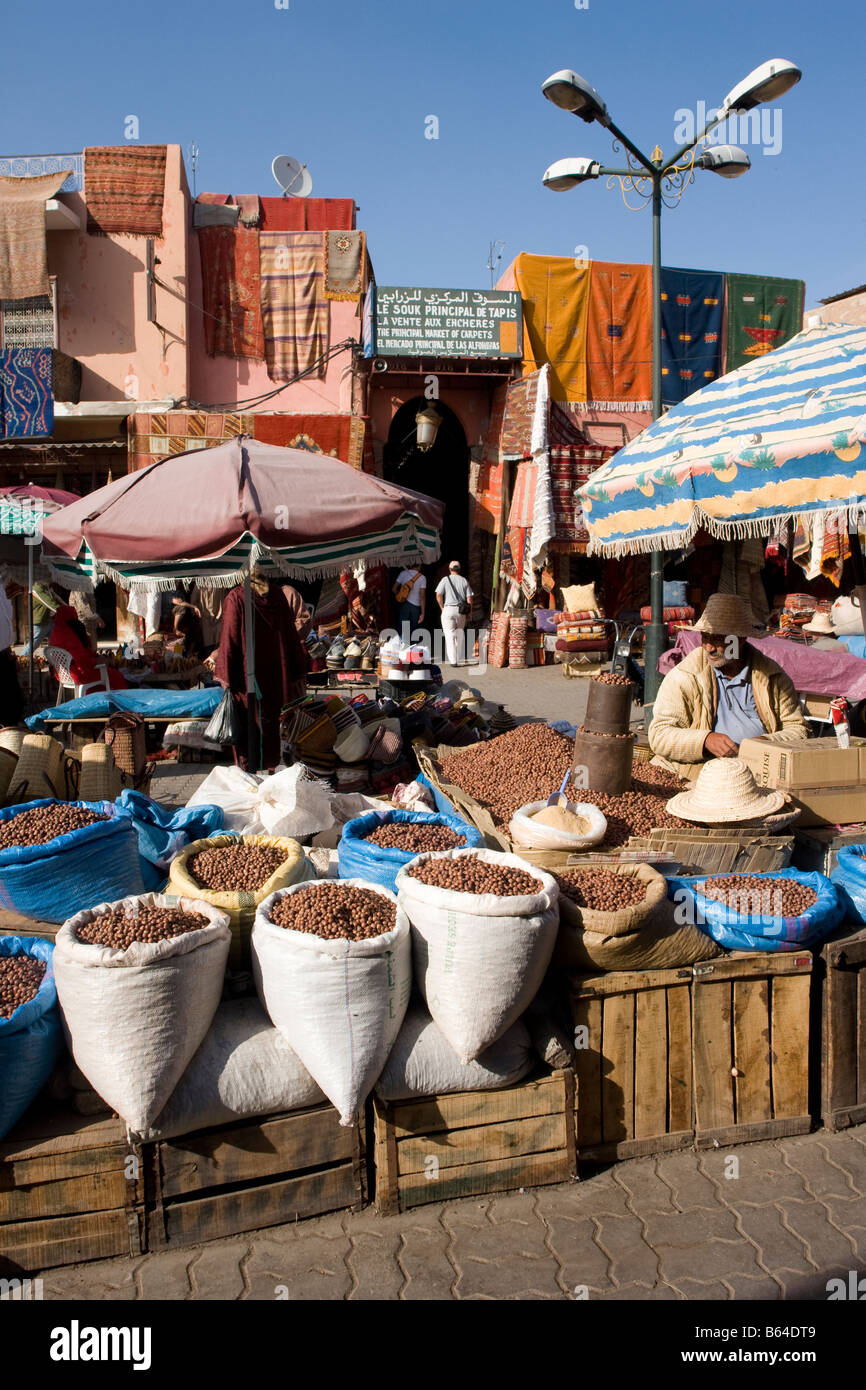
338	1001
423	1062
479	957
243	1068
136	1014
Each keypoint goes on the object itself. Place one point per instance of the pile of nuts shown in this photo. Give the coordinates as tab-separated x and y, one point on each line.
119	929
601	890
334	910
523	765
753	896
236	868
469	874
45	823
415	837
20	978
611	678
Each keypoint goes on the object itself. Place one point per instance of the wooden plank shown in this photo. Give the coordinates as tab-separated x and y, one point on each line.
100	1191
534	1170
587	1014
714	1092
681	1117
63	1240
54	1168
761	964
617	1080
750	1134
431	1115
651	1065
625	982
840	1038
59	1132
385	1159
271	1204
789	1041
638	1148
752	1050
485	1144
214	1158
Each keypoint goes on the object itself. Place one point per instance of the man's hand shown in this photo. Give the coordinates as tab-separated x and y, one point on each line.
720	746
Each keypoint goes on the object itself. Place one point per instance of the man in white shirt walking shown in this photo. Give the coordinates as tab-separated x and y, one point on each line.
454	595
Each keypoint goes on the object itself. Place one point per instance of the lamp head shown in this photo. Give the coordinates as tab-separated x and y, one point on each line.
569	91
766	83
728	160
568	173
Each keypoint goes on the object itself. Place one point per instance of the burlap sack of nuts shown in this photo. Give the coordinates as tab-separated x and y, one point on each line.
479	958
660	943
611	914
239	903
136	1015
339	1001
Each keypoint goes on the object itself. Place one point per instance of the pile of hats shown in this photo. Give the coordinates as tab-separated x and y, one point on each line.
352	744
342	653
726	793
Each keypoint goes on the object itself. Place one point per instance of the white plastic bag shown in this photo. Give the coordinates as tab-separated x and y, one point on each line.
423	1063
533	835
135	1018
244	1067
286	803
339	1003
479	959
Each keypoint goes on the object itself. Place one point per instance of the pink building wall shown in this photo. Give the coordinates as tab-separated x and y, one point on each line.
102	301
470	403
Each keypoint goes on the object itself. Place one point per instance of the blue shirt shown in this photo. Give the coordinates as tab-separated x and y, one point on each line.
736	713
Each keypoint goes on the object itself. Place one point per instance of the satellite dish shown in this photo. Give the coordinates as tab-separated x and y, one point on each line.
293	177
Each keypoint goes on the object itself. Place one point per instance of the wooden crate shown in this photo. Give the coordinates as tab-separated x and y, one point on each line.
435	1148
252	1174
750	1020
71	1189
815	850
13	924
720	851
841	992
633	1035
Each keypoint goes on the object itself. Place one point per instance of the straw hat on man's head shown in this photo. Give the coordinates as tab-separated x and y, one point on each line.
727	615
726	792
821	624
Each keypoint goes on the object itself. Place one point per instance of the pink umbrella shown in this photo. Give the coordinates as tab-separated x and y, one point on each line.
200	504
53	496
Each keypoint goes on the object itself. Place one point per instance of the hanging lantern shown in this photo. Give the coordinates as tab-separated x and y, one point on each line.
427	423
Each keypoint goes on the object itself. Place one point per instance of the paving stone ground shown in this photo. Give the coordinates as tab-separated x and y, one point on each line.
778	1224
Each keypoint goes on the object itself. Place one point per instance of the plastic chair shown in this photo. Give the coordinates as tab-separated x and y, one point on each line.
60	661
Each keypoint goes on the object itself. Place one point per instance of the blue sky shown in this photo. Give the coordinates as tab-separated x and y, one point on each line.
347	87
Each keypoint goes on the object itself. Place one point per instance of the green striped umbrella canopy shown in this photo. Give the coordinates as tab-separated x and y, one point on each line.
212	514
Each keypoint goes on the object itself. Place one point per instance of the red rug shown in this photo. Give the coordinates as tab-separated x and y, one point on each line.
231	290
124	189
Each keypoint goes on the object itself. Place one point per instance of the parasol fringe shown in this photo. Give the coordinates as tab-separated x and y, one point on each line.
577	407
746	528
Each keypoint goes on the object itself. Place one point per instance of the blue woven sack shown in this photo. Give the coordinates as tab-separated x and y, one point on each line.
359	859
31	1039
849	876
96	864
162	834
745	931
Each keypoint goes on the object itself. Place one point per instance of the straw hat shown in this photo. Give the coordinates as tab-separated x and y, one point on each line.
725	792
822	624
727	615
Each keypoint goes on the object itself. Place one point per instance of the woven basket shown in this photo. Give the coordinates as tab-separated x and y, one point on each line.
124	734
40	771
100	776
8	762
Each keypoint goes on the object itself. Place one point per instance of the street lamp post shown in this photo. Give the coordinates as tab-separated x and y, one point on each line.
570	92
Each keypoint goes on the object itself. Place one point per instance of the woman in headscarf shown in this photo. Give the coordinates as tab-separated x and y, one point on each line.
280	663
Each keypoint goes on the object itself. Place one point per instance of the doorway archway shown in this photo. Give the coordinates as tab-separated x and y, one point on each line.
441	472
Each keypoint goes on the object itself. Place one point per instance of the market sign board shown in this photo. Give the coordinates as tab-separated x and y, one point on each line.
411	322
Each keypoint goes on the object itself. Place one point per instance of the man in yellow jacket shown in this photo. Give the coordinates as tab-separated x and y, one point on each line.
722	693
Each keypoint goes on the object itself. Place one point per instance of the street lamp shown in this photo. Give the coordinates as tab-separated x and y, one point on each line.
427	424
571	92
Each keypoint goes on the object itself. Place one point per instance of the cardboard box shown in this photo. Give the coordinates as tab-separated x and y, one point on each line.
827	782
